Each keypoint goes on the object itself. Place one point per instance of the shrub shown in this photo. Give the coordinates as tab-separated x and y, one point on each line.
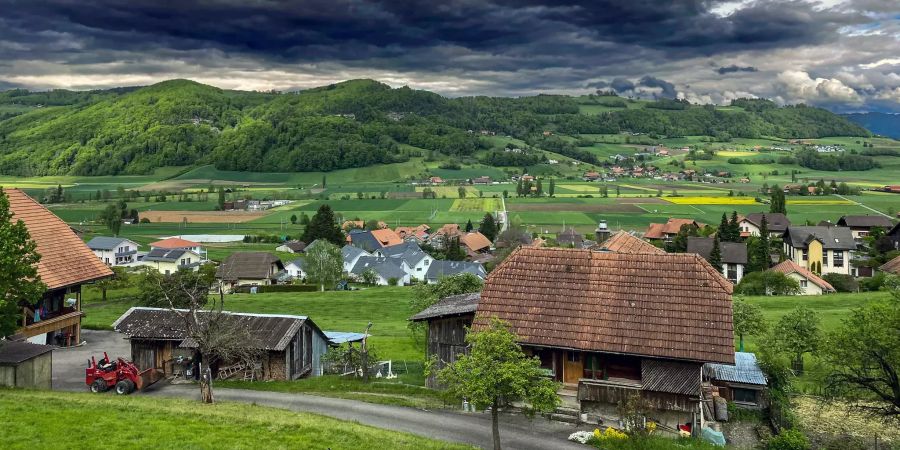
788	440
841	282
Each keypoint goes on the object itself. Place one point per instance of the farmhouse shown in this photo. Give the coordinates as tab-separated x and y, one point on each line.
821	249
777	224
570	238
810	283
475	242
625	324
289	347
176	243
66	264
734	255
291	247
248	269
417	234
892	266
168	262
861	226
447	321
481	180
114	251
667	231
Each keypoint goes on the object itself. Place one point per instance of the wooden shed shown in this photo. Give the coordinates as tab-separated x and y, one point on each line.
446	333
26	365
289	347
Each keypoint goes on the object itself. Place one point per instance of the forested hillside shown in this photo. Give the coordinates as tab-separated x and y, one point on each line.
877	122
351	124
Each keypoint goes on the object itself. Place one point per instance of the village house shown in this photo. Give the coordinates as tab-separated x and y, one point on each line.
289	347
359	224
417	234
386	237
445	332
481	180
176	243
667	231
591	176
387	271
291	247
861	226
443	268
821	249
777	224
570	238
167	261
114	251
625	324
734	255
66	265
624	242
892	266
894	235
415	259
294	269
474	242
810	283
351	254
248	269
435	181
441	238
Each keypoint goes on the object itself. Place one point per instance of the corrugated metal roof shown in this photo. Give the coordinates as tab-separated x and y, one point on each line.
449	306
105	243
745	370
670	376
340	337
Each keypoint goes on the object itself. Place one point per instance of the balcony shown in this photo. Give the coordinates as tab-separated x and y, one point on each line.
52	323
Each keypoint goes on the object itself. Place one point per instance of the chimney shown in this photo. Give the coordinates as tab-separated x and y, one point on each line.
602	232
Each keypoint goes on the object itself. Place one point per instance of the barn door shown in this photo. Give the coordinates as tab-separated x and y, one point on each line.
573	367
143	355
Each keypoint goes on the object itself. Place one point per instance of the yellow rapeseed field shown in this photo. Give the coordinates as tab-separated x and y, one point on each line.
815	202
711	200
734	153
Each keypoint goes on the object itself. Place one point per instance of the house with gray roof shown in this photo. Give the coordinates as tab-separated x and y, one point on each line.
388	271
114	251
777	223
820	249
442	268
168	261
350	255
248	269
861	226
409	252
294	269
364	239
734	255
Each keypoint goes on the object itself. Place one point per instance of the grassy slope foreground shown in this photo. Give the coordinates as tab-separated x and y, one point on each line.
50	420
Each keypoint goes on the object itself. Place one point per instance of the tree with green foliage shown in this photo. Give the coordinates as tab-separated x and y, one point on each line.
715	255
618	192
734	229
679	242
304	219
469	226
425	295
488	226
551	190
323	264
539	188
748	320
724	230
777	203
323	225
221	201
19	280
112	218
461	191
863	355
372	225
496	370
119	280
767	282
323	182
604	191
177	290
760	249
293	219
519	188
369	277
796	334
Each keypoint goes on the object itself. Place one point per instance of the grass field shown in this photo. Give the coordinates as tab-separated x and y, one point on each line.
57	420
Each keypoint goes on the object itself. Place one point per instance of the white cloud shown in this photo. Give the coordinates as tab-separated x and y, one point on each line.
798	86
881	62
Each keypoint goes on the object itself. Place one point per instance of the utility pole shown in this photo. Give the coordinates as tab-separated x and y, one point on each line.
364	354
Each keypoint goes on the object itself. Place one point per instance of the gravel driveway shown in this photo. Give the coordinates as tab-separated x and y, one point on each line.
69	363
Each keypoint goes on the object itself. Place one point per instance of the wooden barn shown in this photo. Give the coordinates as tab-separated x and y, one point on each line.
26	365
446	332
289	347
609	325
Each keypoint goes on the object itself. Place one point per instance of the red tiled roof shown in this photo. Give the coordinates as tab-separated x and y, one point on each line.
65	259
673	306
673	226
787	266
655	231
475	241
623	242
387	237
174	242
892	266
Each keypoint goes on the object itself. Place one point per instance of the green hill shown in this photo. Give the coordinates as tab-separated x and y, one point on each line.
351	124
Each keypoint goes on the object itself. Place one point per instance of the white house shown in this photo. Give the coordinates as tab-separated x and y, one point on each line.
777	223
821	249
810	283
733	255
168	262
351	255
415	259
176	243
388	271
114	251
295	270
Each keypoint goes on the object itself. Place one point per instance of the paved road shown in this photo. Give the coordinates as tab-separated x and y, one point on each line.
69	363
517	431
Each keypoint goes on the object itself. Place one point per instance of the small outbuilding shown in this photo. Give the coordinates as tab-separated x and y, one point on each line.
743	382
447	321
26	365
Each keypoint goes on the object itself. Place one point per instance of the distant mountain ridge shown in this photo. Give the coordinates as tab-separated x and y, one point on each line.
881	123
355	123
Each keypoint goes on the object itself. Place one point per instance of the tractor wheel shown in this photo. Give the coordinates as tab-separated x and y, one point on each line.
99	385
124	387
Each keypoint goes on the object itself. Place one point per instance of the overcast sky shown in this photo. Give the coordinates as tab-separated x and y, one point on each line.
840	54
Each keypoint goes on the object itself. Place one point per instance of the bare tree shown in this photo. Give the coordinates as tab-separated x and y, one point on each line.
216	335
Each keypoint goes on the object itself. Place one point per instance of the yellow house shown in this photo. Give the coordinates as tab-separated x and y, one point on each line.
822	250
167	261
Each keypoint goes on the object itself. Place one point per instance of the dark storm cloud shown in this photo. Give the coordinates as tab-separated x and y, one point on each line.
735	68
668	89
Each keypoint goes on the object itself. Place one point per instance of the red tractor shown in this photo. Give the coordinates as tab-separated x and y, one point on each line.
121	374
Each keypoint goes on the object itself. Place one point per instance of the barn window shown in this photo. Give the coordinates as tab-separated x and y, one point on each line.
744	395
